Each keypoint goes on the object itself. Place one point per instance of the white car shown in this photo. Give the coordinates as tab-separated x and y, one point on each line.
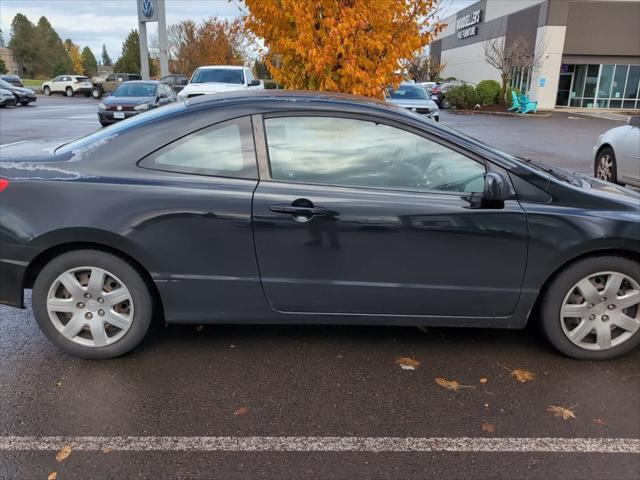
219	78
617	154
414	97
68	85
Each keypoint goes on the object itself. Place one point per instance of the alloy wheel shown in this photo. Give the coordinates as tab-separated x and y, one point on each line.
605	167
90	306
601	311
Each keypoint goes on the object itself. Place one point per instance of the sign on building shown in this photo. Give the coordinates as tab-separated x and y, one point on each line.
467	25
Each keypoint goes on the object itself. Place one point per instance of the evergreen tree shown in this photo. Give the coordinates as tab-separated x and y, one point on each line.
23	43
106	59
89	63
2	44
52	56
129	62
3	67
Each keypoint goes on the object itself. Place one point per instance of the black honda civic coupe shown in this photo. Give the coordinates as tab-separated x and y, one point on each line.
298	207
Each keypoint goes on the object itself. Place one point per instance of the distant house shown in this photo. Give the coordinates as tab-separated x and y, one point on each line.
13	67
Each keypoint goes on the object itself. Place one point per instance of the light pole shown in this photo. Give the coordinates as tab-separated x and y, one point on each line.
152	11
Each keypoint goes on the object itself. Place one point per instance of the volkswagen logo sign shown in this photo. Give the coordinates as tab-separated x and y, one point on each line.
119	107
147	8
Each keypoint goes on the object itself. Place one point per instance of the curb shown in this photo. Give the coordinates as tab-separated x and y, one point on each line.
501	114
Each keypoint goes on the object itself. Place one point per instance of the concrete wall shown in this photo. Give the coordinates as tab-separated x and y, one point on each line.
550	44
12	65
500	8
467	63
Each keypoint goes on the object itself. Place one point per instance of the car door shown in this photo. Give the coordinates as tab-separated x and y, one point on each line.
56	84
110	83
629	161
362	216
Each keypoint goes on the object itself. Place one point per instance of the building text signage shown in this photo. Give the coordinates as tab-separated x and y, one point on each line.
467	25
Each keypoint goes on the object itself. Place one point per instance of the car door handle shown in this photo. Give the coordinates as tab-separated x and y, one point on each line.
301	211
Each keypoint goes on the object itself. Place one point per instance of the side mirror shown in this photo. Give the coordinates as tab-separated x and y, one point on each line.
496	188
634	121
254	83
162	95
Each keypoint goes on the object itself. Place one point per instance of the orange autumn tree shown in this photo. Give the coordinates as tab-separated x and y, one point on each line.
353	46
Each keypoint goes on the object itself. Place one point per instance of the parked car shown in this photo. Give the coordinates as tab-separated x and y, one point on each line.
416	98
132	98
13	80
617	154
69	85
439	92
113	81
177	82
219	78
303	207
429	85
7	99
24	96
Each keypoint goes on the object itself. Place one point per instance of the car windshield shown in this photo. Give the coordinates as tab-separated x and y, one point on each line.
410	93
4	84
135	90
219	75
114	130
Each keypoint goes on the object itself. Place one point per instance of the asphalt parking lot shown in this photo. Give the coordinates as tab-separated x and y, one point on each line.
319	401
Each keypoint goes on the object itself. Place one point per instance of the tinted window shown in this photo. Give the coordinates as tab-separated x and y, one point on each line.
135	90
225	150
341	151
220	75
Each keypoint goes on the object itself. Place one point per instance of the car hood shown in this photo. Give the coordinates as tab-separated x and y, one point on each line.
211	87
613	191
127	101
22	90
414	103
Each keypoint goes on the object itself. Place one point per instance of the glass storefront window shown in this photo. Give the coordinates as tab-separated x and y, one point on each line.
603	86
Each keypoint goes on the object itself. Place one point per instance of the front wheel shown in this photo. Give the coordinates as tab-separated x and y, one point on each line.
47	91
69	92
92	304
605	166
96	93
591	310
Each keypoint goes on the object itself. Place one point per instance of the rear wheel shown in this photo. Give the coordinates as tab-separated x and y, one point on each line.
92	304
96	93
445	103
592	309
605	167
68	92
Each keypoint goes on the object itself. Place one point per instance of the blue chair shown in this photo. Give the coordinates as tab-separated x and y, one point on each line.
515	103
527	106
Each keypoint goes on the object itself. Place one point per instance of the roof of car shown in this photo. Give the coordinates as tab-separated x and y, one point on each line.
155	82
226	67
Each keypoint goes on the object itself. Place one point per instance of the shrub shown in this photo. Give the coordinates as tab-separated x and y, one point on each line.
488	92
269	84
463	96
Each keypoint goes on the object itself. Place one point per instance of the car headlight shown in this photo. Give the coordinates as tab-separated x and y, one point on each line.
102	106
142	106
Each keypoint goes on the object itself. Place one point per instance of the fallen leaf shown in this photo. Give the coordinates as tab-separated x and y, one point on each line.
523	376
488	427
52	476
484	380
407	363
565	413
241	411
451	384
106	449
520	374
63	453
600	422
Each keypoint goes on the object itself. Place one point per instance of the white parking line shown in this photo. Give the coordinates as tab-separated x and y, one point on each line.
325	444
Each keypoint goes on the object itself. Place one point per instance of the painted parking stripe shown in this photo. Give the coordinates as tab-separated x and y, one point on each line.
325	444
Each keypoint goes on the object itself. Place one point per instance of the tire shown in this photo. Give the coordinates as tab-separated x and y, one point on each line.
445	103
24	104
47	91
104	124
113	341
69	92
96	93
557	327
605	167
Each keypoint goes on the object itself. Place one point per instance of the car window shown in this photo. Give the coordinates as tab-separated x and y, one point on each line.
111	78
57	79
135	90
218	75
225	149
350	152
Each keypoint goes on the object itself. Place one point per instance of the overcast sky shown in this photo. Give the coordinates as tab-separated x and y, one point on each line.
94	22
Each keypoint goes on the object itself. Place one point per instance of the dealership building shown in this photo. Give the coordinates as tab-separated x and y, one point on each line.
588	50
